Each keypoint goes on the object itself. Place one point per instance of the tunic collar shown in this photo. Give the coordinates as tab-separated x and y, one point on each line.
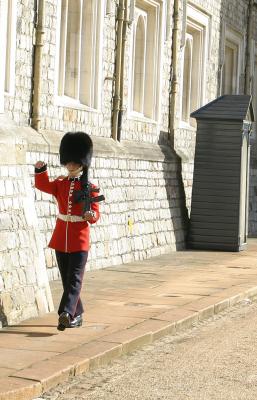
73	179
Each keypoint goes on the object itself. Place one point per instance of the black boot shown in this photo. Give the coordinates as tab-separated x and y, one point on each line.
64	321
76	322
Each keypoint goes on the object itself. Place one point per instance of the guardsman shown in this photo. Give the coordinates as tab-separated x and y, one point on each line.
70	238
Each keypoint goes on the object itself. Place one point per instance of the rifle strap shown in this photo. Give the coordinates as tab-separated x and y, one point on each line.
84	179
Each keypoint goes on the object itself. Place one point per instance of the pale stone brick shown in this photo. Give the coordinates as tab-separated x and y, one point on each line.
2	188
9	188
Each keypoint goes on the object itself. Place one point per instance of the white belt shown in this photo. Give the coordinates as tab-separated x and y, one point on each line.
70	218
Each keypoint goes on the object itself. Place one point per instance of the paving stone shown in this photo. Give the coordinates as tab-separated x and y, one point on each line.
31	344
51	372
176	315
18	359
221	306
22	389
157	328
106	334
4	372
131	338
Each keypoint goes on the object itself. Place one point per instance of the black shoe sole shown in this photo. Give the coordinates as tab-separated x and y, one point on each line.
61	327
64	320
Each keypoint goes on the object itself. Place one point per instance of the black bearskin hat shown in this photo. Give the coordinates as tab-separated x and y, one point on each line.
76	147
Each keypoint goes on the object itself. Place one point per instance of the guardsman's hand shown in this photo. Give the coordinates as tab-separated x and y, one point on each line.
39	164
88	215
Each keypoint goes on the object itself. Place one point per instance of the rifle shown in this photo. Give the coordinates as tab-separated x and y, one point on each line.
84	195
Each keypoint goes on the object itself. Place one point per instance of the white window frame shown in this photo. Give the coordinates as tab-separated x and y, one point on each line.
200	22
11	48
3	27
69	102
140	16
234	39
143	7
254	94
7	22
189	42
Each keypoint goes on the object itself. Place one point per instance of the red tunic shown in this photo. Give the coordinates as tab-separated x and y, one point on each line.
67	237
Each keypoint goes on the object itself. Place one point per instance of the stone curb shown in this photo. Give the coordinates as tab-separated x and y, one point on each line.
19	387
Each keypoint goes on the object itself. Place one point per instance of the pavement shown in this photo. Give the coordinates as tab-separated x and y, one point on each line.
127	307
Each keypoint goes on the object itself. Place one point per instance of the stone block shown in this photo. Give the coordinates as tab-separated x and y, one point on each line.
6	303
8	241
2	188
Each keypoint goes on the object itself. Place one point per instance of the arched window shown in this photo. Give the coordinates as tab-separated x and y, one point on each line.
196	54
230	82
146	59
87	61
139	66
72	49
79	58
187	76
233	61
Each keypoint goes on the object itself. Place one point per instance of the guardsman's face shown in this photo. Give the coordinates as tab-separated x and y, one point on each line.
73	168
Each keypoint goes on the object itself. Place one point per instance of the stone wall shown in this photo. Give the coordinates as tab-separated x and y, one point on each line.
24	287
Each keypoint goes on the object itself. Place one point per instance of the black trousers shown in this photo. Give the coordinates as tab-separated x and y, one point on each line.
72	267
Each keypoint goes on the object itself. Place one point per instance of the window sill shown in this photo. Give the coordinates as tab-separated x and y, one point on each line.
67	102
187	126
134	116
9	94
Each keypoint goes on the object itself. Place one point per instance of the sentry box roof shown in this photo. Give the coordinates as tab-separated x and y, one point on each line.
227	107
